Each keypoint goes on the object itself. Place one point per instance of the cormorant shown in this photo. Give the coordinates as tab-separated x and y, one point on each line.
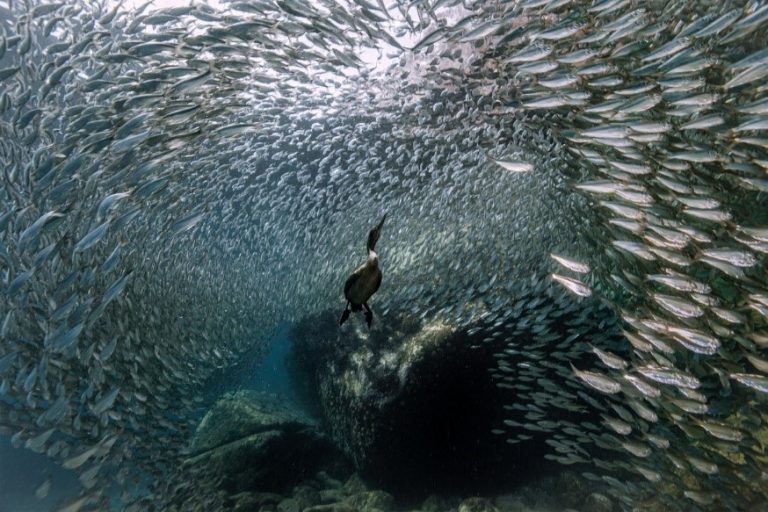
365	280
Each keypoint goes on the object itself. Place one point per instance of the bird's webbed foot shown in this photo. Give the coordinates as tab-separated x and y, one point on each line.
368	315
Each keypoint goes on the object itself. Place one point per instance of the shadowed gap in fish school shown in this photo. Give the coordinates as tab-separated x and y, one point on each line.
258	369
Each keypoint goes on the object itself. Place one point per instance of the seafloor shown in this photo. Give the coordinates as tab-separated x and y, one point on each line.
556	493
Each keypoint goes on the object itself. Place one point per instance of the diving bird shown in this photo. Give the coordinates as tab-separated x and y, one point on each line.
365	280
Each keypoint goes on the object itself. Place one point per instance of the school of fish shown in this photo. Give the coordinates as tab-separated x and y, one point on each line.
178	181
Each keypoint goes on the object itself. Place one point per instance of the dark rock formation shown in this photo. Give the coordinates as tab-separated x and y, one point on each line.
253	442
412	405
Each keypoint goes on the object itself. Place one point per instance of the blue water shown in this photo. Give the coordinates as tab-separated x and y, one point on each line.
258	371
22	471
270	375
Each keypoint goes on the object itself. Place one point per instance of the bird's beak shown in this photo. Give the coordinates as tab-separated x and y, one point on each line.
379	226
373	235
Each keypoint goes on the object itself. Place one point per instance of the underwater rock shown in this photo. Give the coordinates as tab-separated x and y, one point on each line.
563	491
598	503
439	503
325	493
307	495
255	443
372	500
509	502
412	404
237	415
477	505
369	387
332	507
289	505
248	501
354	485
328	481
331	496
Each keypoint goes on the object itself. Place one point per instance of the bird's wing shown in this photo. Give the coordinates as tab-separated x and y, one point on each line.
352	278
378	283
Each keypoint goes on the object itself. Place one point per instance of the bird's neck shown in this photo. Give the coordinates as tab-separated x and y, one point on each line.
373	258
